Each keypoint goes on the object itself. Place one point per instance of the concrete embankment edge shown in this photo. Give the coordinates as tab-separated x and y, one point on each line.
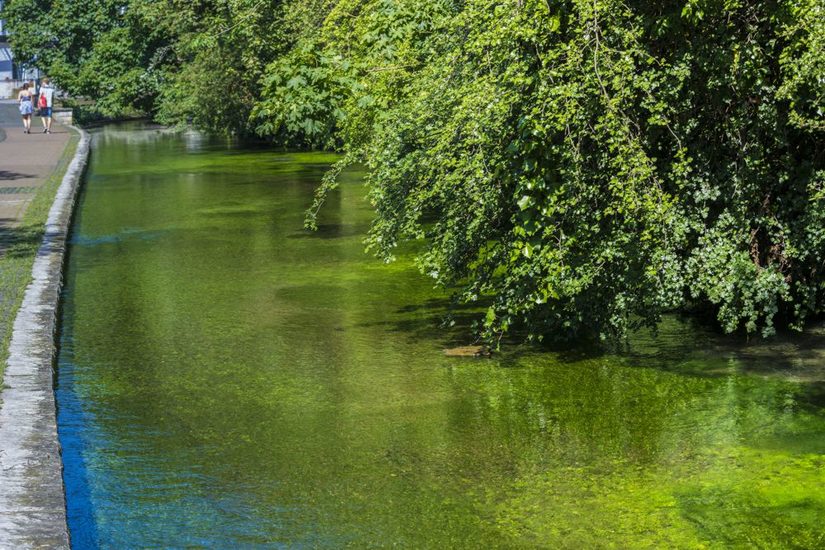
32	496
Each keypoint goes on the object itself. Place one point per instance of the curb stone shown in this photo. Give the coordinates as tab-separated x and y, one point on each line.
32	497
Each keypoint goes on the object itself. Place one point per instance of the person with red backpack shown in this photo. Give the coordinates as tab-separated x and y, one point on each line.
44	103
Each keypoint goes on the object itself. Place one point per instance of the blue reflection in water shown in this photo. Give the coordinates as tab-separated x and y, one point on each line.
76	432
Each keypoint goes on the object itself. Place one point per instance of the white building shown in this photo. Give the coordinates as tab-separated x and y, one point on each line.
6	65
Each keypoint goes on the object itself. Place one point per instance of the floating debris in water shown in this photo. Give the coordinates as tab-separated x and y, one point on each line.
468	351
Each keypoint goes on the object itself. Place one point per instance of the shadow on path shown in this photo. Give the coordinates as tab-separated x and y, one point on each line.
7	175
19	241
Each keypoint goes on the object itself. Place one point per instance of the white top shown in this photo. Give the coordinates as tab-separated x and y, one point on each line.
47	91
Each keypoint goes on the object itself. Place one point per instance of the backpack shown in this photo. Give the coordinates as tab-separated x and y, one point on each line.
43	102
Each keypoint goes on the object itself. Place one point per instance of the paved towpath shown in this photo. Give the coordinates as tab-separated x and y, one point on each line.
26	161
32	498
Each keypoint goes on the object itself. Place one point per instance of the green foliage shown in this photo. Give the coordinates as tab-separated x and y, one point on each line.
304	95
220	50
179	61
581	166
589	165
803	64
100	50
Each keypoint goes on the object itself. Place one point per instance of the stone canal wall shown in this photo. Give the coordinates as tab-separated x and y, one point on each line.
32	498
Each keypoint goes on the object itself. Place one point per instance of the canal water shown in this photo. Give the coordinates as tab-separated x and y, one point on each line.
228	380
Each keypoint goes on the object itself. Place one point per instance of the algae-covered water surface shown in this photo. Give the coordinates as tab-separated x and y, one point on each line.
228	380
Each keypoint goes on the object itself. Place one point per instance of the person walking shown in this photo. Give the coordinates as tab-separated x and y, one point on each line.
25	102
44	102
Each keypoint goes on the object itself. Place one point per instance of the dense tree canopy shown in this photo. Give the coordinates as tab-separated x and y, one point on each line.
575	165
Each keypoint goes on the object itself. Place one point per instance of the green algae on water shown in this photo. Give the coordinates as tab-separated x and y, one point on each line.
228	379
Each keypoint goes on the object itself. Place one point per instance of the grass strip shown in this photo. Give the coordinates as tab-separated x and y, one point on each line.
21	244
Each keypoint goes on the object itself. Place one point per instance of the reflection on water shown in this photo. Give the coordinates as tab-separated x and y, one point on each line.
229	380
